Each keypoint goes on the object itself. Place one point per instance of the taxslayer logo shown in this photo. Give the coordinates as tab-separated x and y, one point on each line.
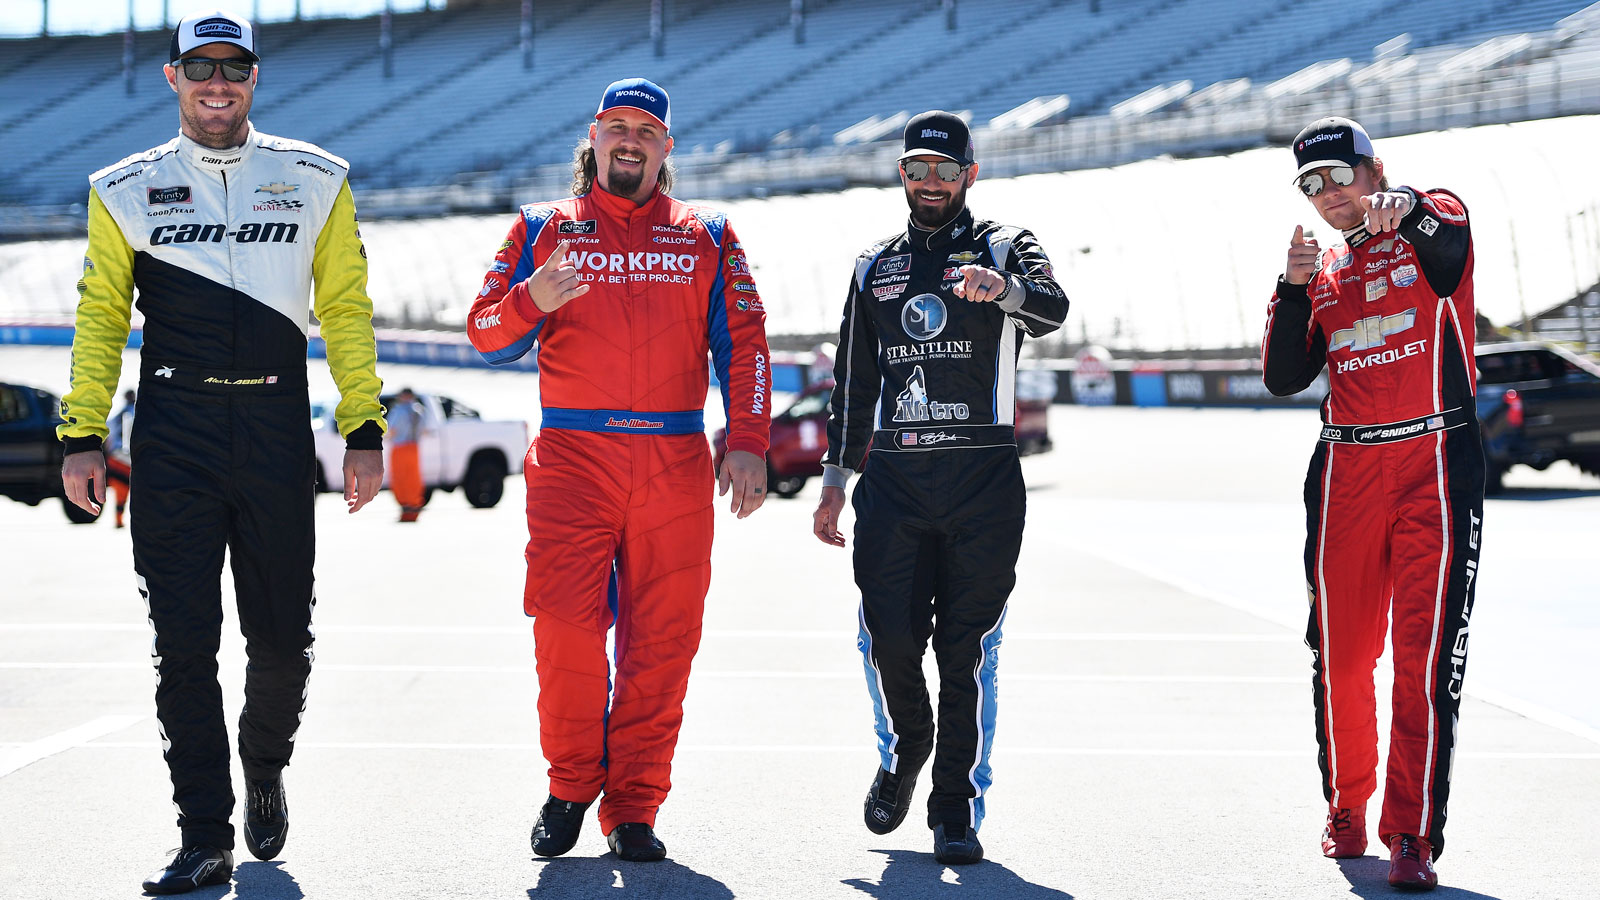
248	233
1371	331
178	194
1317	139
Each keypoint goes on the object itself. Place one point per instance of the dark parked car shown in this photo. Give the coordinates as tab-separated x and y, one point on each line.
30	455
1537	403
800	436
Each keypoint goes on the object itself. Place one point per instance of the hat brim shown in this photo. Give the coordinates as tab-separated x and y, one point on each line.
602	114
1354	162
929	151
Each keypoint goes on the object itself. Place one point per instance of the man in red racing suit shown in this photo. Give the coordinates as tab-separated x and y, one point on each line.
1394	495
626	291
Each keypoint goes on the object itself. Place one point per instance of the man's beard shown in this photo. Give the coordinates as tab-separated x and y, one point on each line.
231	136
934	217
623	183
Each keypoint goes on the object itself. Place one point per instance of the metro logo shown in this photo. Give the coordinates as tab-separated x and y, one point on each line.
1371	331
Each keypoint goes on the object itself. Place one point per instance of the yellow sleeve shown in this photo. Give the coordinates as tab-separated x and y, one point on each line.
105	307
339	268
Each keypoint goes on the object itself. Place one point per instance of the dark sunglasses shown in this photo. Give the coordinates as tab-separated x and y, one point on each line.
917	169
1311	184
201	68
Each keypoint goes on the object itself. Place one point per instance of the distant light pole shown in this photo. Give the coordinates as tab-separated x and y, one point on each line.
658	26
127	52
386	37
797	20
527	34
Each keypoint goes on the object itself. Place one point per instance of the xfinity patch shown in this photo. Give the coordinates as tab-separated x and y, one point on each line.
162	195
893	264
1376	290
586	226
1404	276
1428	225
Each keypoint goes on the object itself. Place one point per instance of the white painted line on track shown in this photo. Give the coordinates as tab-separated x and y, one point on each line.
764	675
713	633
27	754
867	749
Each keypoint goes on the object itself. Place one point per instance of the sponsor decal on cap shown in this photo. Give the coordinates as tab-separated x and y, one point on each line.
224	28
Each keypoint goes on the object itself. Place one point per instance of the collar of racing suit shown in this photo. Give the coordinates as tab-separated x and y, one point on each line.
622	207
945	234
203	157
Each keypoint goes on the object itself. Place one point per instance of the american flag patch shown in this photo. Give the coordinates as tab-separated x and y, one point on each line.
908	438
272	379
1435	423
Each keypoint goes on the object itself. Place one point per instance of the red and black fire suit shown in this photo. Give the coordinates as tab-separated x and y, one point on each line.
927	382
621	470
1394	498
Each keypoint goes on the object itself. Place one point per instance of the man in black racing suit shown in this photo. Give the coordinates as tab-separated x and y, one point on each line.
926	378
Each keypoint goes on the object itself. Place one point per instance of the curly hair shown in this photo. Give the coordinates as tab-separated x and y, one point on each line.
585	169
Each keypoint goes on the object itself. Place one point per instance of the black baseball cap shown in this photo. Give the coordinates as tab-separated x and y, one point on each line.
939	133
1331	141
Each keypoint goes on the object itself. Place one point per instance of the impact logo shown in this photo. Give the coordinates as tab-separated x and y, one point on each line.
311	165
913	405
1370	332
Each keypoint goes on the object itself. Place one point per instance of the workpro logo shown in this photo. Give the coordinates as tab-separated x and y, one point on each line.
1371	331
218	28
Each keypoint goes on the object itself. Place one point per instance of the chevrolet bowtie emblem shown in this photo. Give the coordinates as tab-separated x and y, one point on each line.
277	187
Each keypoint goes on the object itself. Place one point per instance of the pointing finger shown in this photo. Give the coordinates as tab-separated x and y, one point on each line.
558	256
1299	236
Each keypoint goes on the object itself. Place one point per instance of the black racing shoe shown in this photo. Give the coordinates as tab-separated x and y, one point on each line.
266	816
954	844
557	829
888	800
636	842
193	867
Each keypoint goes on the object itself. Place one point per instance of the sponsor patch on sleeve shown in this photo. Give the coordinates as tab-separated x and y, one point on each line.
1428	225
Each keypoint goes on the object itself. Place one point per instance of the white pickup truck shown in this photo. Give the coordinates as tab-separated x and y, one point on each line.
458	449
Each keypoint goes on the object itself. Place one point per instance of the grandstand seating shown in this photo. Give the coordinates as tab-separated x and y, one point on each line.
458	99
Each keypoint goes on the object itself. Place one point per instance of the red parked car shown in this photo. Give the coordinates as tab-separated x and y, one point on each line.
800	437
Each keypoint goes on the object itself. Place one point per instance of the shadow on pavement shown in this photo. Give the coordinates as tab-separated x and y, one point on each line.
265	881
917	876
609	877
1369	878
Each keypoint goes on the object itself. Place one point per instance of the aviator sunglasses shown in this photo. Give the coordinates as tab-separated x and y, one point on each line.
917	169
201	68
1311	183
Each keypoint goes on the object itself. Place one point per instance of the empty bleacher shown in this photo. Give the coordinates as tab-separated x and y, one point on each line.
458	99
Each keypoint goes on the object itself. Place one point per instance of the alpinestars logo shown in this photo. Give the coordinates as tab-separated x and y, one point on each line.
913	405
1371	331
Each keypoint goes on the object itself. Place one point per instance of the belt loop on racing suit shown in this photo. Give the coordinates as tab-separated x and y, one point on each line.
1396	431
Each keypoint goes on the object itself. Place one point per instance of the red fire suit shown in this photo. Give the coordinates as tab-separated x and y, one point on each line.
621	470
1394	499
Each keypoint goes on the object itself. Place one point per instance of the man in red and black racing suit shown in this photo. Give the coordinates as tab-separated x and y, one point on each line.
626	291
1394	495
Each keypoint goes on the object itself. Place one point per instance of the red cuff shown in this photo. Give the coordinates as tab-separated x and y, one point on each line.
522	304
749	443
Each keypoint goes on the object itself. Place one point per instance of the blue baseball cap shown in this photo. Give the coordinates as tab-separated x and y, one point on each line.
637	93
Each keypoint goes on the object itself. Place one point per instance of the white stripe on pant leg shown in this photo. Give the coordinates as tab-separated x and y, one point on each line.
1433	641
310	654
985	733
1322	610
880	704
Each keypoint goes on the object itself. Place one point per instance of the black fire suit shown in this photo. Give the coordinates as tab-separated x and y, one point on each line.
928	381
222	247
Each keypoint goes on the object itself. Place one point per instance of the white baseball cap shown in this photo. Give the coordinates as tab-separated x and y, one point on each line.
209	27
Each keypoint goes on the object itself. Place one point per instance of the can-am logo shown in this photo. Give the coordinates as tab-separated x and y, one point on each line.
217	28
